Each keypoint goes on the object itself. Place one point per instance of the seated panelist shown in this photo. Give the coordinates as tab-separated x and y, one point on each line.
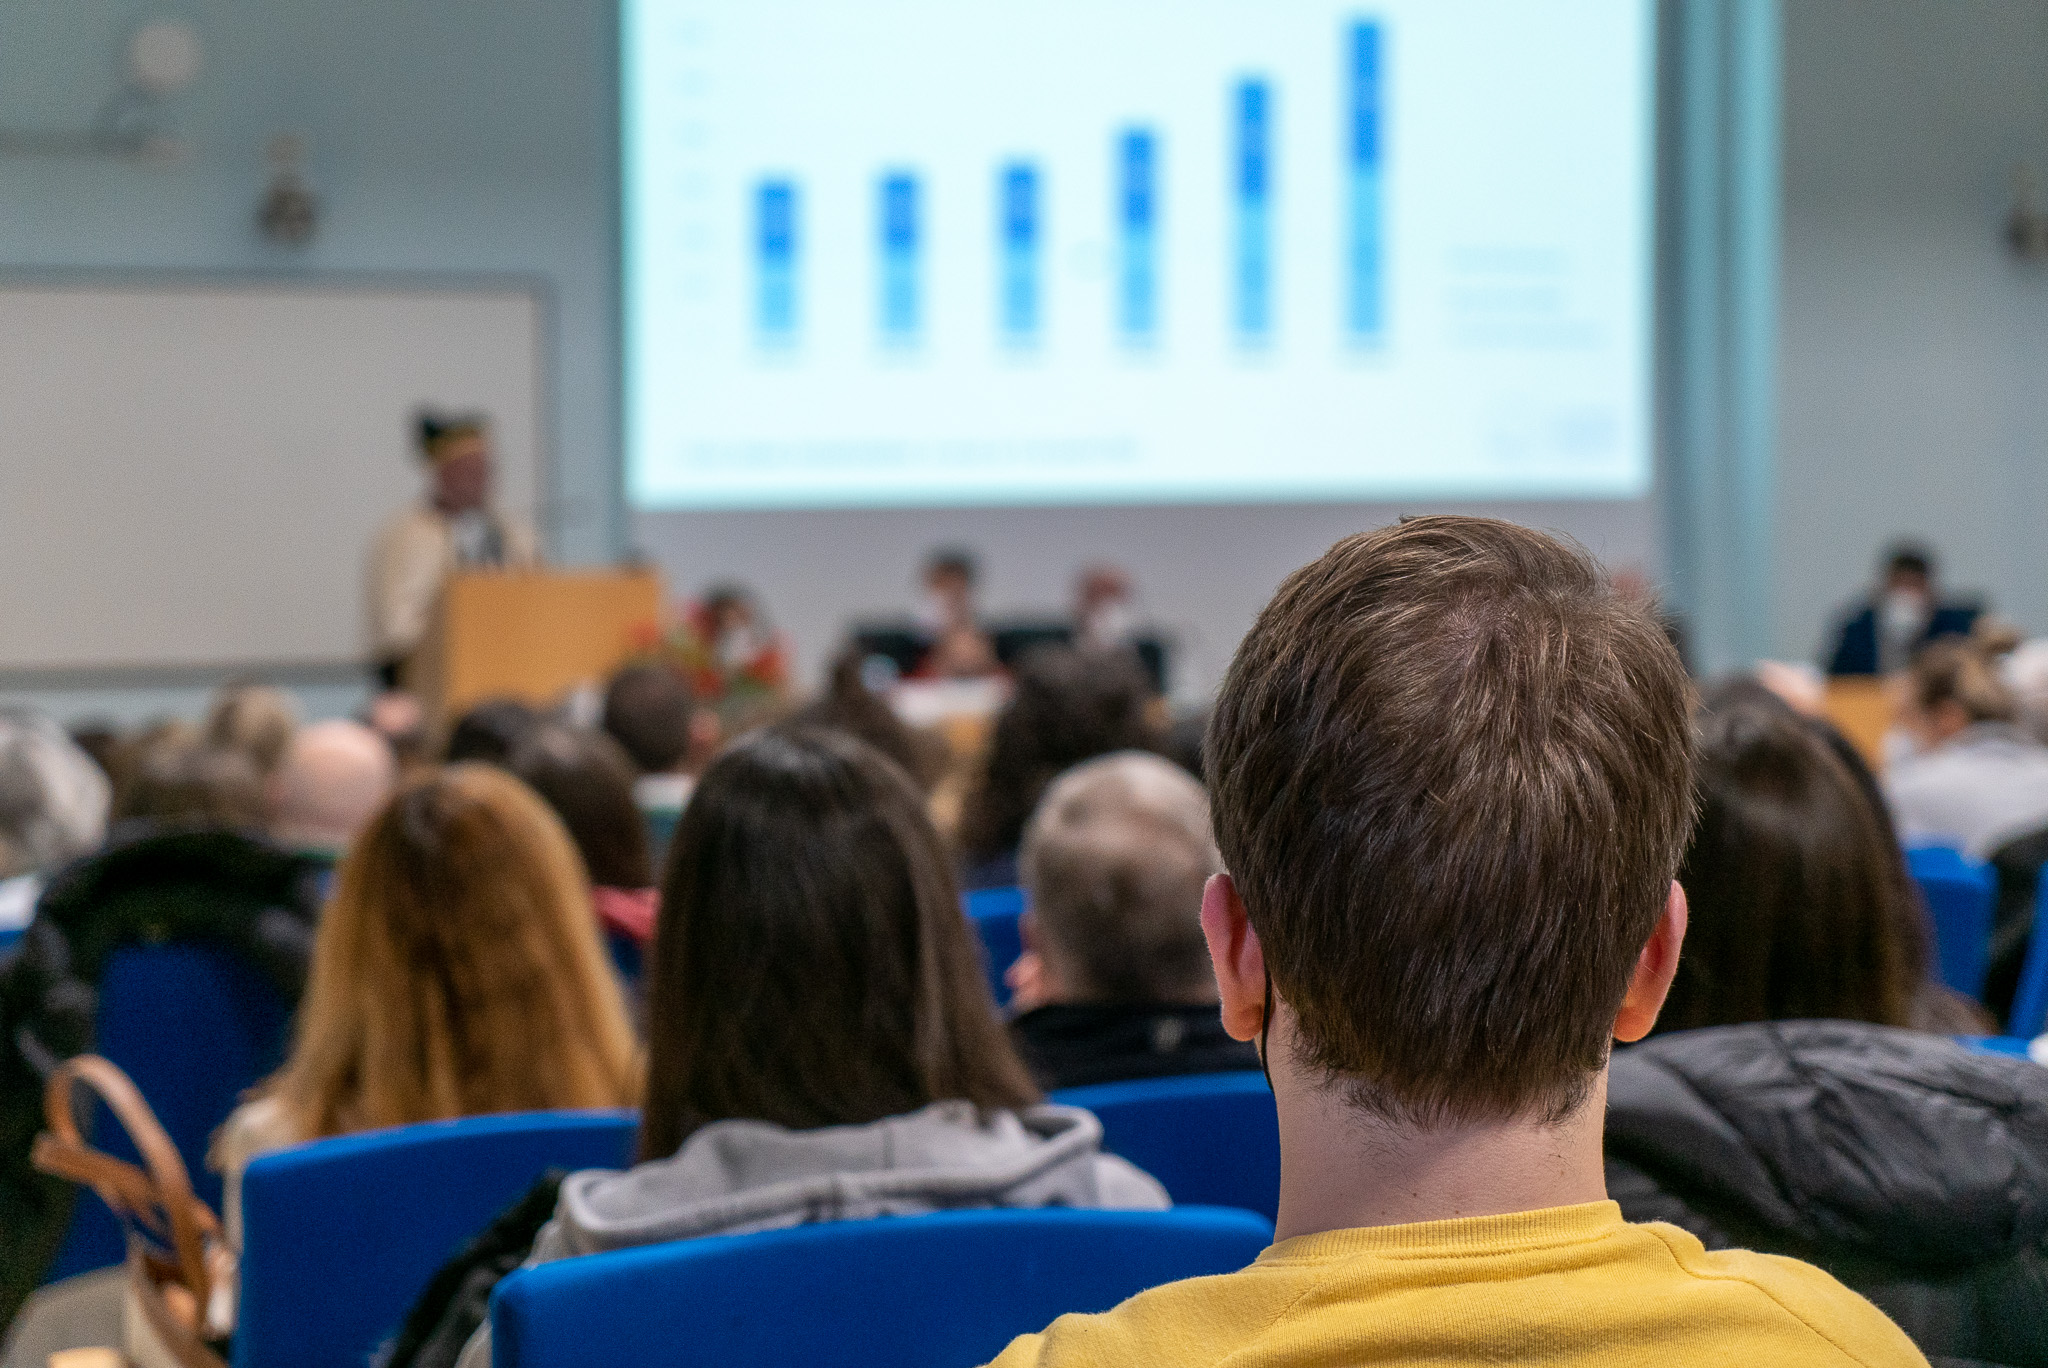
455	528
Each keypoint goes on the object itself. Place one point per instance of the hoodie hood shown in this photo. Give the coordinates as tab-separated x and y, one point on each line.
732	1177
1844	1136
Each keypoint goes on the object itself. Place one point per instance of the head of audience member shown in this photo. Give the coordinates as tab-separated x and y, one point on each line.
103	741
457	450
812	967
401	720
1113	863
1068	706
588	781
254	719
1801	906
457	970
177	780
1954	684
1102	607
950	579
651	711
849	706
333	778
53	796
489	731
1450	775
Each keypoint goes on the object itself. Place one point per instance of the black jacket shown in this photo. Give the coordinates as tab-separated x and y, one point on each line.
149	886
1911	1169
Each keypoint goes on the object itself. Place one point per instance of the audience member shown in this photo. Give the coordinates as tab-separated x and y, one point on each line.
488	732
457	972
849	706
588	781
1904	613
949	618
650	710
822	1045
1450	772
1069	706
1976	779
53	809
176	781
254	719
331	780
1103	618
401	719
1115	982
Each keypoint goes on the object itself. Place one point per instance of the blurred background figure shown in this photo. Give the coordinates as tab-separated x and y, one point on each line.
53	809
586	778
1104	614
1904	612
652	712
1974	778
331	780
457	527
255	720
1115	981
847	705
488	731
949	624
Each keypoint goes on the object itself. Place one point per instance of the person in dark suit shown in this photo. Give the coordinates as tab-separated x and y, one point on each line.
1905	612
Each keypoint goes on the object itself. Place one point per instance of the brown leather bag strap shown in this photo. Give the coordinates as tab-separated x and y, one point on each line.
160	1197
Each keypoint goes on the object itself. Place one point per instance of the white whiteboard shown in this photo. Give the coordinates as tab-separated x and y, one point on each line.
192	474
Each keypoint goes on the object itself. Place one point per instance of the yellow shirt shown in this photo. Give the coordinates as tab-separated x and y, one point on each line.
1571	1285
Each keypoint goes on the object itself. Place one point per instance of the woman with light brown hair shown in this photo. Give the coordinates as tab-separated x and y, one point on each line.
1975	778
458	971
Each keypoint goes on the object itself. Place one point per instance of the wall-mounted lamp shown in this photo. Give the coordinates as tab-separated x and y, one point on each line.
2026	227
163	58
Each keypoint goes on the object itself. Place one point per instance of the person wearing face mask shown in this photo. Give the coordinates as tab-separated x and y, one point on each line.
1974	778
457	527
949	620
1881	635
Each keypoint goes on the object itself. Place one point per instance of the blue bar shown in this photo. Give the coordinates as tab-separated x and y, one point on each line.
776	225
901	302
1021	247
1366	302
1253	184
1137	204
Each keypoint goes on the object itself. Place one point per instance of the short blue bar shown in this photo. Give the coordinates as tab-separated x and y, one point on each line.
1253	181
1137	201
901	239
1020	249
776	233
1366	239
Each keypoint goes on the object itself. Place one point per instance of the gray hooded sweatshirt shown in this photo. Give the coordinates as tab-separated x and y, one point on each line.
733	1177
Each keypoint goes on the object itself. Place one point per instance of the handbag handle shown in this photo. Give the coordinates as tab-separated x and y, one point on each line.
159	1197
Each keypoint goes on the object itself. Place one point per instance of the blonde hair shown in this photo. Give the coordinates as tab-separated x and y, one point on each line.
256	720
1965	671
458	970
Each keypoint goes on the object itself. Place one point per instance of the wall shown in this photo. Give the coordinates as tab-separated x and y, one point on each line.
447	136
1914	381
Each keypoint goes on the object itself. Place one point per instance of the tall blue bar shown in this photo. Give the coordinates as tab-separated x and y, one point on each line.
1020	250
1137	205
775	309
1366	303
901	302
1253	187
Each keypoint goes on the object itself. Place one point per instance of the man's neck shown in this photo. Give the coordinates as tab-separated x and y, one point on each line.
1342	1169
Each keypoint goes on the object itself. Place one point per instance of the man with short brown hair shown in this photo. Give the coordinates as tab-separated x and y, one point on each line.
1451	780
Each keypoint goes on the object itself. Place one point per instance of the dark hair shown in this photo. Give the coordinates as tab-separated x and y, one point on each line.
588	781
1069	706
183	783
848	705
1450	775
489	731
647	710
1801	903
1911	557
431	428
812	966
953	560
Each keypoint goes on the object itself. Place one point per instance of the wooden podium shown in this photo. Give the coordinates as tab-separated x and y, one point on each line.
530	634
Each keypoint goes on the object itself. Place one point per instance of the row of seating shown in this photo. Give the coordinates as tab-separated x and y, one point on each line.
1962	898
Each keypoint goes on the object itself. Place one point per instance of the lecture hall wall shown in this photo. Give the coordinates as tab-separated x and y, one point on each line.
479	135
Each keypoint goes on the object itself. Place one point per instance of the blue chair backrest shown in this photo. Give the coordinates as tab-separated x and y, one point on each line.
995	913
195	1026
2030	999
941	1291
2010	1046
340	1237
1962	897
1211	1139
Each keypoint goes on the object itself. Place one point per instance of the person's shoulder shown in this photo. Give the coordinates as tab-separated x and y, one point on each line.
1187	1324
1812	1304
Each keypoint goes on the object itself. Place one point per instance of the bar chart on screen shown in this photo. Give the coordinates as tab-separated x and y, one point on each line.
939	250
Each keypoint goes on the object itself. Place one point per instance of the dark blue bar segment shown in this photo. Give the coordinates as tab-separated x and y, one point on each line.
901	243
1366	240
1137	208
775	214
1253	184
1020	248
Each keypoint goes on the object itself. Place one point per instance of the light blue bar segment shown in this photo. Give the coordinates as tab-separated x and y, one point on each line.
1020	249
1365	240
901	294
1137	202
776	225
1253	183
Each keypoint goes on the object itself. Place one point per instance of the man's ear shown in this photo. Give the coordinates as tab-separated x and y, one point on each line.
1655	968
1239	960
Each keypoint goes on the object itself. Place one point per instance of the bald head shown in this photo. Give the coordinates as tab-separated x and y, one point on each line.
333	778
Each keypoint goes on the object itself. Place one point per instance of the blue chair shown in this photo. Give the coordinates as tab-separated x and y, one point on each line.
339	1237
2011	1046
2029	1016
995	913
1212	1139
195	1026
1962	898
941	1291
